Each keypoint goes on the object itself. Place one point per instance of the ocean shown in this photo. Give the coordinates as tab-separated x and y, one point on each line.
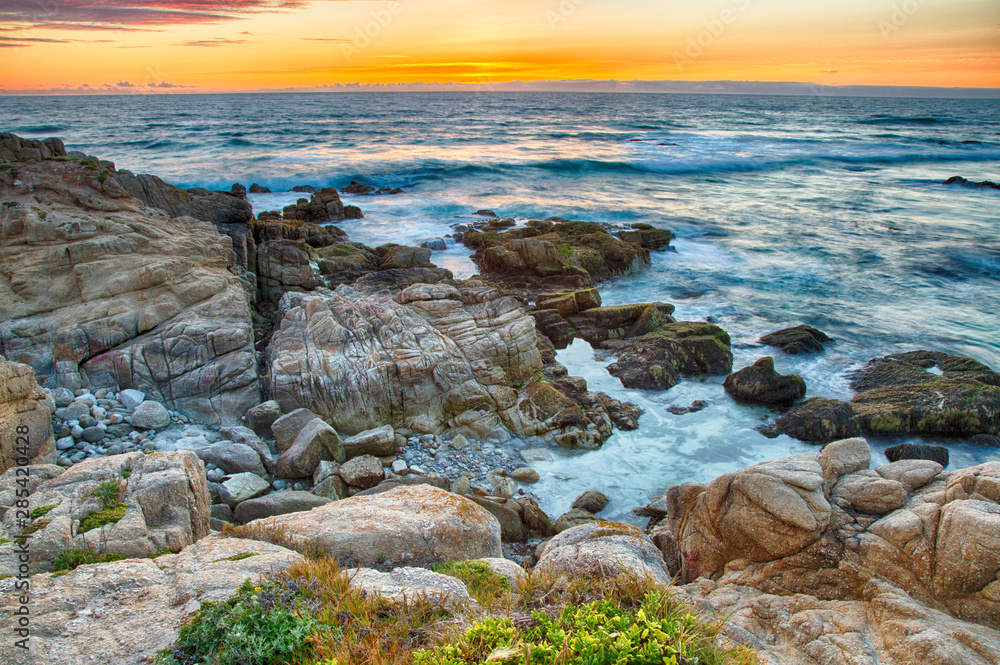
826	211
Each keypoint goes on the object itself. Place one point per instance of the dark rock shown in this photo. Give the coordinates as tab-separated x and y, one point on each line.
760	384
357	188
817	420
959	180
511	529
800	339
215	207
304	189
277	503
288	426
902	451
696	406
258	189
92	434
646	236
261	417
684	348
569	302
592	502
353	212
900	394
485	213
985	440
534	518
574	517
324	206
239	191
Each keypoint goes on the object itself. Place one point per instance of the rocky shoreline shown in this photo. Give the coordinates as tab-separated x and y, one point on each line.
192	375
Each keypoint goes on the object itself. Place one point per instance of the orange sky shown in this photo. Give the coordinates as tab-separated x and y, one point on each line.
254	44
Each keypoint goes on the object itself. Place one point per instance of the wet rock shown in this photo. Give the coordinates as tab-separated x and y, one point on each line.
574	517
657	360
592	502
277	503
322	207
905	451
259	189
569	302
800	339
761	384
959	180
817	420
646	236
696	406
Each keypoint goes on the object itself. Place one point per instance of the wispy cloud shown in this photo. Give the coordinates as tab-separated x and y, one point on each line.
11	42
217	41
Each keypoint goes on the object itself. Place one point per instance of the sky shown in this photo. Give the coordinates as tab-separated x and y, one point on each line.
234	45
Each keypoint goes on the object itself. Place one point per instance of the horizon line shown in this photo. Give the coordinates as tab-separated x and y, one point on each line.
635	86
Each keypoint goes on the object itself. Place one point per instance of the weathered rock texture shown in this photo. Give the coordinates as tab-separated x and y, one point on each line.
908	553
415	525
761	384
25	418
165	499
98	290
429	358
604	549
122	613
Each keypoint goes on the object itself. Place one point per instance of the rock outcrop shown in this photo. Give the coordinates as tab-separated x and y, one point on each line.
417	525
760	384
97	289
800	339
602	549
898	545
124	612
25	418
133	504
657	360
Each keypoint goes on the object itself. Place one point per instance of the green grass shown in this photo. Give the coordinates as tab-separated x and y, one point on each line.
99	518
260	625
34	527
63	158
483	584
241	556
78	556
41	511
101	177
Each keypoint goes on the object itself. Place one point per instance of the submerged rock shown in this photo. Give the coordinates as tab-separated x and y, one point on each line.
800	339
760	384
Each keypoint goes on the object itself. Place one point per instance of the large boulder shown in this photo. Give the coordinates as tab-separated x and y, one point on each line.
380	442
602	549
25	418
416	525
760	384
926	392
133	504
124	612
315	442
323	206
817	420
800	339
99	290
277	503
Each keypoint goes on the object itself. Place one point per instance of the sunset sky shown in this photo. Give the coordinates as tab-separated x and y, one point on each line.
195	45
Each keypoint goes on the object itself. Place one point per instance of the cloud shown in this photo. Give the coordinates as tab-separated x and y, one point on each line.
217	41
10	42
325	39
131	15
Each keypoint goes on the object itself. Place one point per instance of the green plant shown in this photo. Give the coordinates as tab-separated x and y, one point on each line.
108	492
64	158
99	518
101	177
157	555
35	526
78	556
260	625
4	541
483	584
241	556
41	511
603	632
10	204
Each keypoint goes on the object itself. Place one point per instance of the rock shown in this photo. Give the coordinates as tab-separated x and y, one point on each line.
696	406
324	470
904	451
406	525
399	466
985	440
162	593
432	357
379	442
232	458
601	324
514	573
574	517
459	442
877	496
405	481
400	257
503	485
322	207
364	472
27	479
959	180
242	487
800	339
223	513
592	502
569	302
332	488
406	584
525	474
277	503
511	529
24	405
287	427
534	519
316	441
215	207
818	420
912	473
602	549
131	398
259	189
260	418
899	394
357	188
764	512
485	213
840	458
656	361
760	384
150	415
245	436
64	397
646	236
163	499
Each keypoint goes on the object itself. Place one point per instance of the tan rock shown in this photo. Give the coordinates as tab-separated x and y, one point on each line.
406	584
25	418
604	549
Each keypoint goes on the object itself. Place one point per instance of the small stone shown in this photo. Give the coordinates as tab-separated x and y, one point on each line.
279	485
150	415
65	443
76	432
459	442
325	469
525	474
86	398
62	397
461	485
131	398
261	417
529	455
242	487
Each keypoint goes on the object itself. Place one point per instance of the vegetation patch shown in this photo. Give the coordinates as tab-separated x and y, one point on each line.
258	626
241	556
34	527
78	556
483	584
41	511
99	518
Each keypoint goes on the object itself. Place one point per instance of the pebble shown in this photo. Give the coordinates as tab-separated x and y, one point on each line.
278	485
65	443
76	432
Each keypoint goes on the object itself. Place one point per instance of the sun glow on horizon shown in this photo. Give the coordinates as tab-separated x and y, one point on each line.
206	45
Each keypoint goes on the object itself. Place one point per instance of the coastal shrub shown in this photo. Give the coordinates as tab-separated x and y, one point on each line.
78	556
260	625
603	632
483	584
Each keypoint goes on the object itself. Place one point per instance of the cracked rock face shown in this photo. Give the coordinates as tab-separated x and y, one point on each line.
97	290
429	358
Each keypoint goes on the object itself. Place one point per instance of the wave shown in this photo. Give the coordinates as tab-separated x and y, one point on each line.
242	143
905	120
38	129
